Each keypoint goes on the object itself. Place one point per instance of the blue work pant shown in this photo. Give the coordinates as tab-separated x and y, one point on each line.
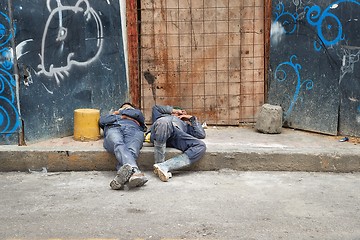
166	132
125	142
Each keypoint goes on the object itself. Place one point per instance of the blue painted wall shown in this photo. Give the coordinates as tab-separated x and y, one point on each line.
70	55
314	64
9	113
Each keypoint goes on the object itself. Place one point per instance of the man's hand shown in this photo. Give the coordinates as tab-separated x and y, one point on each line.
185	117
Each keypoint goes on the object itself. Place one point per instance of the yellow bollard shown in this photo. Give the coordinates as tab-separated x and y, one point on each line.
86	124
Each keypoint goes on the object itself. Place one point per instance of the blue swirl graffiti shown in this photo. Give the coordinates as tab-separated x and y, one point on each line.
281	76
6	59
5	34
9	114
7	83
316	19
7	109
289	18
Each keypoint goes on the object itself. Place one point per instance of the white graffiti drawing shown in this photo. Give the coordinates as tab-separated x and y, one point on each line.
350	57
297	2
61	68
20	48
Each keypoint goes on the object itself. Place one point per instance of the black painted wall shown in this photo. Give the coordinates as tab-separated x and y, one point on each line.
70	55
314	62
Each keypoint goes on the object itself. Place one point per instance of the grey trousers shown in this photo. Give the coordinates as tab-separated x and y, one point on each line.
166	132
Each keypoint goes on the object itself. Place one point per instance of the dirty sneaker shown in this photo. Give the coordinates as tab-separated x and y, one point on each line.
138	179
163	174
122	176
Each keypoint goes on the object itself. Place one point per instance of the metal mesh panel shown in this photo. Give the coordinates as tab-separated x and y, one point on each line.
206	56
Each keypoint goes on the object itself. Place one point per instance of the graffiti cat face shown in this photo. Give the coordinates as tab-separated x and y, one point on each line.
66	41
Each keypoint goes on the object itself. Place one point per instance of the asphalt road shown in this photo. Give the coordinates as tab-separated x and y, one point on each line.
224	204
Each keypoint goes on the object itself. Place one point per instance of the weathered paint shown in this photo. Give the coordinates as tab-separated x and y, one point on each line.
205	57
133	50
86	124
70	55
10	123
267	29
314	64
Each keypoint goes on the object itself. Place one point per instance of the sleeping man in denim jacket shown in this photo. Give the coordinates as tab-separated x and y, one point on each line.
123	137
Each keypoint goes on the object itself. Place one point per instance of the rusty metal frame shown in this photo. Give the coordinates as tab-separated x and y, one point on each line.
267	28
132	12
133	51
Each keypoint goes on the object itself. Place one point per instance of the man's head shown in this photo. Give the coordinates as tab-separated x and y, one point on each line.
178	111
126	105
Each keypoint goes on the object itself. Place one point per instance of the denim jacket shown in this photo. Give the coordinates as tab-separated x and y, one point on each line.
116	120
195	128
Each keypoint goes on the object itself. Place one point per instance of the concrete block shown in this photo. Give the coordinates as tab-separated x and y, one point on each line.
269	119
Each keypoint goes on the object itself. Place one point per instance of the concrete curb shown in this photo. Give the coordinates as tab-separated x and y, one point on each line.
258	152
55	160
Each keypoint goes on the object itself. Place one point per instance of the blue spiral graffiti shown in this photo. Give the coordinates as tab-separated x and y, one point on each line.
5	34
316	19
6	58
9	114
7	83
281	76
289	18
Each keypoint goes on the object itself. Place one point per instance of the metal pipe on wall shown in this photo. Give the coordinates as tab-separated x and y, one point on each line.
122	4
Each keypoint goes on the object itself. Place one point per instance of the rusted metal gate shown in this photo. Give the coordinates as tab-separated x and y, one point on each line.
207	56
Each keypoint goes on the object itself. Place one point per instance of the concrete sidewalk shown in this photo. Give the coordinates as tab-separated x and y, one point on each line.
238	148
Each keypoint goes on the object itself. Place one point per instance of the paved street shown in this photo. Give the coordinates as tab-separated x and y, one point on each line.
213	205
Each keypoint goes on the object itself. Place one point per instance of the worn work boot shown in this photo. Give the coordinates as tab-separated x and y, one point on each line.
137	179
122	176
159	152
162	170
